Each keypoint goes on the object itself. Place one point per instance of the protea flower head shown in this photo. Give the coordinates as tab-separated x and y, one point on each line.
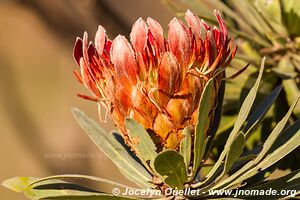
155	80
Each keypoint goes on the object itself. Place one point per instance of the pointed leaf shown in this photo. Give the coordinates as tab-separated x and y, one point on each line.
18	184
264	106
272	158
55	189
114	150
206	104
216	120
77	176
234	152
276	131
281	152
63	192
248	102
288	182
286	135
262	161
170	165
186	146
143	144
241	118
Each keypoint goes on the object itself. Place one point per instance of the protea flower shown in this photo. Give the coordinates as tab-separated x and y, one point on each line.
156	81
159	83
262	28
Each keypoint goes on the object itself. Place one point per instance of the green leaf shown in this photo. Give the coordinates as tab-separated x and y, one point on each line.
290	86
77	176
216	119
286	135
65	194
247	104
260	176
255	166
114	150
54	189
171	166
234	152
241	118
186	146
18	184
142	142
263	107
281	152
276	131
206	105
272	158
287	182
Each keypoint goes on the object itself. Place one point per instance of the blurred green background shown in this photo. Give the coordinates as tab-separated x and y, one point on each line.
39	136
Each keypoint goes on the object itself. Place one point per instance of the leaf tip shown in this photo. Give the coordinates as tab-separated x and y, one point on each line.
263	61
17	184
75	110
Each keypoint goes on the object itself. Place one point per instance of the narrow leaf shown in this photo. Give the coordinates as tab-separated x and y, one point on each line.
216	119
143	144
18	184
114	150
241	118
247	104
281	152
272	158
186	146
263	107
234	152
276	131
78	176
66	194
170	165
206	104
262	161
55	189
286	135
290	181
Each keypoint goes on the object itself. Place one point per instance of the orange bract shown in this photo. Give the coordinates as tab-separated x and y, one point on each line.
156	81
